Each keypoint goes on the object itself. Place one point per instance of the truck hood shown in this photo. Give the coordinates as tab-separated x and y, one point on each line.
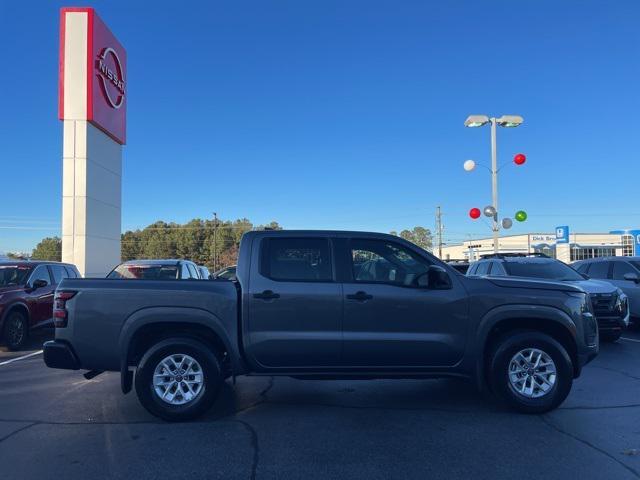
595	286
537	284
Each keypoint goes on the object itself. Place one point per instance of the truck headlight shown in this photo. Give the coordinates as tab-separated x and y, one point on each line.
585	306
589	322
622	306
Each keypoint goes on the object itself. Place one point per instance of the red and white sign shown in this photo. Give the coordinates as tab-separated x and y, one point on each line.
93	73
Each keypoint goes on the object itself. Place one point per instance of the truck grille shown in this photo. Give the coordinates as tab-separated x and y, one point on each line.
606	309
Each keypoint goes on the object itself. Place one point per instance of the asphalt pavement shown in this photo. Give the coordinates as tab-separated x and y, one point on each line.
56	424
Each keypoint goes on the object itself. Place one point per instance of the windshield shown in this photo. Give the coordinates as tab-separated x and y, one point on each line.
14	275
547	269
635	263
146	272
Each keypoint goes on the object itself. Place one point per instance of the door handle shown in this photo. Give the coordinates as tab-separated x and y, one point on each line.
360	296
266	295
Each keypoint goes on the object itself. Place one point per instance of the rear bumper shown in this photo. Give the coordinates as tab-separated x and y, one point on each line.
59	354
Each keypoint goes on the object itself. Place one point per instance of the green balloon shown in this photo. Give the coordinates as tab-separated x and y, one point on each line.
521	215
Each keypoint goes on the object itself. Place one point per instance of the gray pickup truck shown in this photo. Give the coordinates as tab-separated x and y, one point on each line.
326	305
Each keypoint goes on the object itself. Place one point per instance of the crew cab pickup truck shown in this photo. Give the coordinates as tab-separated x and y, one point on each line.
326	305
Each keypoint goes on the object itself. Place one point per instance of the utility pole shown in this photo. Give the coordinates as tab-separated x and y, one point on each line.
439	230
215	241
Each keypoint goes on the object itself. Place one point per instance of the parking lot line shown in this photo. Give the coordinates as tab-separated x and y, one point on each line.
7	362
630	339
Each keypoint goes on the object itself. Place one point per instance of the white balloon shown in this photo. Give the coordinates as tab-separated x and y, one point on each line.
489	211
469	165
507	223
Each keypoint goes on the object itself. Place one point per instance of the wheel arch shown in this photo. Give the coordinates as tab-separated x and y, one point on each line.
507	319
146	327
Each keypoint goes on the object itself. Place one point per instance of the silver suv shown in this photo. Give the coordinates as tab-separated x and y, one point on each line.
623	272
610	304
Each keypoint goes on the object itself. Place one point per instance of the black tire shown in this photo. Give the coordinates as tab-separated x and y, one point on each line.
610	337
16	330
507	348
204	398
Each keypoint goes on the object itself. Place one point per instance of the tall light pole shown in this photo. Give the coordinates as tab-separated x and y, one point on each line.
439	231
508	121
215	241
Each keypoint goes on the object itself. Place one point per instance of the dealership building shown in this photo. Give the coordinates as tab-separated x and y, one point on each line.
562	244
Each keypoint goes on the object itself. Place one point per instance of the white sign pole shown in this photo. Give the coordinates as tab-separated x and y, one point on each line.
92	159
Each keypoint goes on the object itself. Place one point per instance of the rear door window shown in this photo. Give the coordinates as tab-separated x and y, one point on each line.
599	270
59	272
71	273
184	272
193	272
483	268
497	269
622	268
297	259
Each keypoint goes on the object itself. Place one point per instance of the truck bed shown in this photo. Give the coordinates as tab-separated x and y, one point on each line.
105	311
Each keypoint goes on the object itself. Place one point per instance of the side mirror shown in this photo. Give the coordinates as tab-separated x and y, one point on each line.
39	284
632	277
436	278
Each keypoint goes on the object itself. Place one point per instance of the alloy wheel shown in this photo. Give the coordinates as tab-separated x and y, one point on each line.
532	373
178	379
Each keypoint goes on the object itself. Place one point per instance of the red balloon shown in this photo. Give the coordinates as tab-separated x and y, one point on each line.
475	213
519	159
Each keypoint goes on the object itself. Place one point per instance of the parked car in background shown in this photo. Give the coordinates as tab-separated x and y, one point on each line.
26	297
610	304
305	305
204	272
623	272
227	273
156	270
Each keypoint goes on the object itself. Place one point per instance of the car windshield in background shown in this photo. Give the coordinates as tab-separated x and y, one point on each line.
547	269
146	272
14	275
635	263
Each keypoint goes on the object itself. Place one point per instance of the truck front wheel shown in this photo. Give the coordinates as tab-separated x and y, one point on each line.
531	372
178	379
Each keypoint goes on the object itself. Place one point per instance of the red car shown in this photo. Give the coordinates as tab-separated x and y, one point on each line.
26	297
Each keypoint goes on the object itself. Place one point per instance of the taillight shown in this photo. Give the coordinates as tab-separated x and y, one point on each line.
60	307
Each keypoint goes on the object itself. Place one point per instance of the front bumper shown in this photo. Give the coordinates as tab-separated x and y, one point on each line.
613	324
59	354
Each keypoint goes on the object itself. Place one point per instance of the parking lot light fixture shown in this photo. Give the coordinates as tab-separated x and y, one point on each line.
473	121
509	121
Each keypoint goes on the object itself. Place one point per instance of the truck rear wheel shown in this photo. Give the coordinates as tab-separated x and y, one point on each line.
178	379
531	372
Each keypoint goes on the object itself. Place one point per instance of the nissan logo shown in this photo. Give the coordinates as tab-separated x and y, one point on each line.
113	77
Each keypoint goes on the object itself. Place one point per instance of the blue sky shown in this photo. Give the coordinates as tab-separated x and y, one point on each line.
340	114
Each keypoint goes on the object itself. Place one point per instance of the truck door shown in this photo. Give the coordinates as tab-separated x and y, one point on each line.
295	304
389	320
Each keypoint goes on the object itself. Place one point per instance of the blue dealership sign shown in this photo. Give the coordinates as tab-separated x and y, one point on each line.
562	234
